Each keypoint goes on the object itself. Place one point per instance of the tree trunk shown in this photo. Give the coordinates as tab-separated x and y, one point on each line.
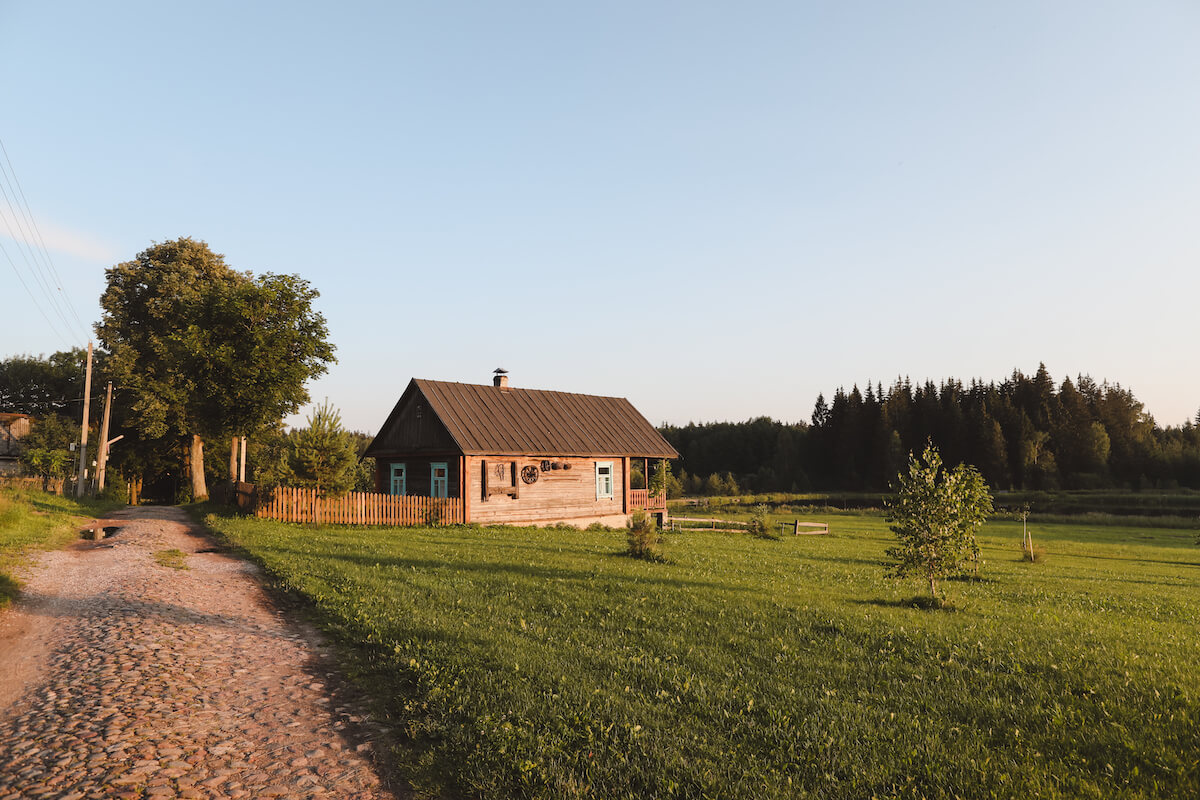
135	490
196	461
933	586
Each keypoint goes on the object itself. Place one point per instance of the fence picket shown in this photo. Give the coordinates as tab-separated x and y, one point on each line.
287	504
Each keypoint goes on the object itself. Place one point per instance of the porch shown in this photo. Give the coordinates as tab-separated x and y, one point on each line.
642	500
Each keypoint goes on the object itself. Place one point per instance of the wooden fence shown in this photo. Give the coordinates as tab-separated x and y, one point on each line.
353	508
51	485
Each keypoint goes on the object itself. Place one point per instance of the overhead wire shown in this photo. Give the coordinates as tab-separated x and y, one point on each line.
45	251
42	276
36	304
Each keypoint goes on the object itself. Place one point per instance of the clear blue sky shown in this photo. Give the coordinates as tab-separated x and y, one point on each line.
717	210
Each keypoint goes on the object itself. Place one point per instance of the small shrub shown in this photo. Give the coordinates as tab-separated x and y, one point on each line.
644	538
1037	556
759	525
116	489
598	527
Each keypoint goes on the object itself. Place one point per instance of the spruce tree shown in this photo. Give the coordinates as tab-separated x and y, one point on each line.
323	456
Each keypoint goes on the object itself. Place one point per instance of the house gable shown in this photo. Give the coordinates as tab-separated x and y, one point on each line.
413	428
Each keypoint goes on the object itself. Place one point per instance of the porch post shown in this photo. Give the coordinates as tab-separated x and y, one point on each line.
462	489
625	469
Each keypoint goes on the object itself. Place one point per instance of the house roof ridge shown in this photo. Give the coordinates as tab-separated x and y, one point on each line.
482	418
521	389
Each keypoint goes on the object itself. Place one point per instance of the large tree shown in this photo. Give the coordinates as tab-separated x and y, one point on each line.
203	350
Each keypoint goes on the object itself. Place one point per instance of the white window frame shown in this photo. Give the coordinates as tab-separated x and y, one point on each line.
399	471
605	492
434	480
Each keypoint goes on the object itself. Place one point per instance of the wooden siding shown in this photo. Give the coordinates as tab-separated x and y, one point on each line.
413	427
355	508
558	494
417	477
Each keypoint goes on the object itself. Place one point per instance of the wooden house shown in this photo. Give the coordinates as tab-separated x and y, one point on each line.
518	456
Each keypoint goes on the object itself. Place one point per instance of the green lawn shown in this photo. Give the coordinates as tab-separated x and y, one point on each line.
541	663
33	520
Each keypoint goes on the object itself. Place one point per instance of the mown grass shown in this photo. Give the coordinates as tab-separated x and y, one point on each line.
542	663
32	520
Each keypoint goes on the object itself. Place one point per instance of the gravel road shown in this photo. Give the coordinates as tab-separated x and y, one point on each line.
120	677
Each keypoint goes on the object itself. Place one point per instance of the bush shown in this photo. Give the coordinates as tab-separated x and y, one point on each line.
116	489
759	525
644	538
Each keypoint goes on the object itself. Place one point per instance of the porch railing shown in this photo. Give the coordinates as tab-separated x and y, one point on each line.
642	500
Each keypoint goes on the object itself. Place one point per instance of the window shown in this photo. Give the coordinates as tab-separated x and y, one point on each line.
399	484
604	480
439	479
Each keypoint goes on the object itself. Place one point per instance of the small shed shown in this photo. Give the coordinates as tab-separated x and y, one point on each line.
518	456
13	427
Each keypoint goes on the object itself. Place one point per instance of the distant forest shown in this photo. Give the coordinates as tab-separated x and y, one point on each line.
1023	433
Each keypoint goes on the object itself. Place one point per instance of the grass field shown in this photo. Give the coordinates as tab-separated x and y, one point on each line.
1177	508
33	520
542	663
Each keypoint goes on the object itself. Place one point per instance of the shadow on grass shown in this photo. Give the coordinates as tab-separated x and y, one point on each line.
498	568
920	602
971	579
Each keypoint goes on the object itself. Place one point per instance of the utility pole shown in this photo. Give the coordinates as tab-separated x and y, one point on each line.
102	454
233	449
87	402
242	469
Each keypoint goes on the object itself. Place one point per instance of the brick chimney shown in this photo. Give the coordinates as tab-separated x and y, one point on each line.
500	379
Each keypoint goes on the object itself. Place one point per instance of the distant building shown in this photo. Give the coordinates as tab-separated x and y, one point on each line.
12	428
518	456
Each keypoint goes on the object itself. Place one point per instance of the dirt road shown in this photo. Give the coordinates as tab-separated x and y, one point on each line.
120	677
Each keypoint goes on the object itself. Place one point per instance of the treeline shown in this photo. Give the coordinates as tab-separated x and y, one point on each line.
1022	433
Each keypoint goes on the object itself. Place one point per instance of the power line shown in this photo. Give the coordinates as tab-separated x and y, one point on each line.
41	241
36	304
39	276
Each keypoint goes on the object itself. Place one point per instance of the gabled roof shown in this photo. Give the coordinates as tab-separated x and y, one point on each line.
502	420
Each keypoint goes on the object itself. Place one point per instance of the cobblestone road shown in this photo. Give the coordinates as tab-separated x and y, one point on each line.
120	677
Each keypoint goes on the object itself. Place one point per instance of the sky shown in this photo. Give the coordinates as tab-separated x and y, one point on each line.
717	210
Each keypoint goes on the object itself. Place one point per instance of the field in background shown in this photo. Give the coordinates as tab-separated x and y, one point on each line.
33	520
543	663
1176	509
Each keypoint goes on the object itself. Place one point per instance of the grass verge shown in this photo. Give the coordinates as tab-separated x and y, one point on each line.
32	520
542	664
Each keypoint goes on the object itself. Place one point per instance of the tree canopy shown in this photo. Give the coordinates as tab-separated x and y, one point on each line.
1022	433
202	350
41	385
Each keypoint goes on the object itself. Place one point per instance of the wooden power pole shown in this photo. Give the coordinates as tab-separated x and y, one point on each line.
87	402
102	452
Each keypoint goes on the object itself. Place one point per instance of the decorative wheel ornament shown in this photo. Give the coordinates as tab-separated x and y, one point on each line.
529	474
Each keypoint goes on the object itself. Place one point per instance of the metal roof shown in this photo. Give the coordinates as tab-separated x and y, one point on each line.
503	420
